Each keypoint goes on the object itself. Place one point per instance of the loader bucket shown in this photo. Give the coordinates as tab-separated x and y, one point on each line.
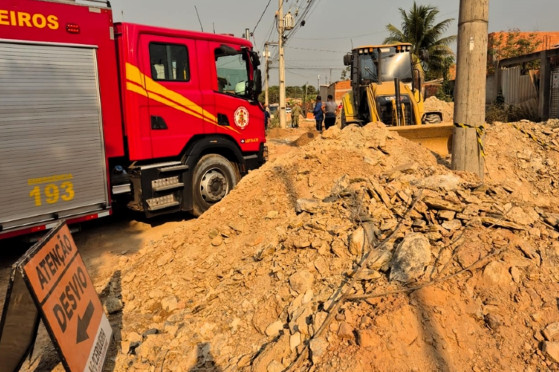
436	137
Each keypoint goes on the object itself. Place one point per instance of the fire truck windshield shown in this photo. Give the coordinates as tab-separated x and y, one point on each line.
232	71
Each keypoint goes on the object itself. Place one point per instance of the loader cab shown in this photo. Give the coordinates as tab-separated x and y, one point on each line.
375	68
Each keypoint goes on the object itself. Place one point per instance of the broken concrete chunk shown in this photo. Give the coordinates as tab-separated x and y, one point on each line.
311	206
301	281
551	332
318	348
411	257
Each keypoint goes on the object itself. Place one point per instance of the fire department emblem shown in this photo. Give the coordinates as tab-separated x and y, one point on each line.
241	117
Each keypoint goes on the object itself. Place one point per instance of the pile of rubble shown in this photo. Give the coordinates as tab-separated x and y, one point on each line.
357	251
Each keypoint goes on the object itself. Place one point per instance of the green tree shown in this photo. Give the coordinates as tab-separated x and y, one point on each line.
345	73
502	45
429	48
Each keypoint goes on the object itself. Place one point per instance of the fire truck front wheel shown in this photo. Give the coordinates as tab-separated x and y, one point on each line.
214	177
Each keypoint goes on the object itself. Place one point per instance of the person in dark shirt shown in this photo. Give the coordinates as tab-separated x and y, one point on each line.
318	113
266	117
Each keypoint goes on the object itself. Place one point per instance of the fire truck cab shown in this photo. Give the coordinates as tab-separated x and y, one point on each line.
94	111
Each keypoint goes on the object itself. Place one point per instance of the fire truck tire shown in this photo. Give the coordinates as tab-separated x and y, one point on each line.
214	177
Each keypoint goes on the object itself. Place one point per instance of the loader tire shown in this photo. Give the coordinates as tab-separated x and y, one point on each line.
432	119
214	177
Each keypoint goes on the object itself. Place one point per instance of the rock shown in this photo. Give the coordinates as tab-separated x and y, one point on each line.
552	350
165	259
318	347
301	320
345	331
528	250
113	305
169	303
274	351
357	242
496	273
411	257
217	241
301	281
519	216
318	320
515	274
294	341
493	321
274	329
379	260
274	366
446	182
244	360
446	215
265	314
452	225
234	325
311	206
440	204
308	296
551	332
366	338
272	214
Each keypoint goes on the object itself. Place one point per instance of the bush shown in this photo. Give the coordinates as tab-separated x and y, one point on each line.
274	122
507	113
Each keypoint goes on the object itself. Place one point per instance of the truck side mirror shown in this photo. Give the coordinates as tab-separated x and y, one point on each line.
347	59
257	89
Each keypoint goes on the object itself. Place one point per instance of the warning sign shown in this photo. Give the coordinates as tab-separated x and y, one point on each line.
57	278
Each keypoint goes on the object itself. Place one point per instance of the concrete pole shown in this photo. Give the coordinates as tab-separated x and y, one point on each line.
281	109
469	96
266	76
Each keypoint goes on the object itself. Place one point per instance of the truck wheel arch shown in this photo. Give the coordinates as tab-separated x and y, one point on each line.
193	154
214	176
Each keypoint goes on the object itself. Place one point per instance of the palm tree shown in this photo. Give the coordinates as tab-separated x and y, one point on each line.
430	49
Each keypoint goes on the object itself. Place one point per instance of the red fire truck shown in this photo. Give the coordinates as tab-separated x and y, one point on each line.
94	112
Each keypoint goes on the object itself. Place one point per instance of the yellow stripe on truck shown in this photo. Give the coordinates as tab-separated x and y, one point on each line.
139	83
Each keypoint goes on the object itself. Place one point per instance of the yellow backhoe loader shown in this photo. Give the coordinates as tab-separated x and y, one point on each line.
386	87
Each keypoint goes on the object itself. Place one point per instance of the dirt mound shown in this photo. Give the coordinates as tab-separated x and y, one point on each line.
353	251
447	108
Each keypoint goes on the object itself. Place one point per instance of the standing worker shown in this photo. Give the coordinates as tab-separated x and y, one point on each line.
295	115
331	110
318	114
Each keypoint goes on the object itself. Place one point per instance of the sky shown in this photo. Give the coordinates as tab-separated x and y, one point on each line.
314	52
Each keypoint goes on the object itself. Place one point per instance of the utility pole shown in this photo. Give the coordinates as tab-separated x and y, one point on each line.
266	75
305	100
281	109
469	99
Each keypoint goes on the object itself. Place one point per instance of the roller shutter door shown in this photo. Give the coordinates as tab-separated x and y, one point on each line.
52	162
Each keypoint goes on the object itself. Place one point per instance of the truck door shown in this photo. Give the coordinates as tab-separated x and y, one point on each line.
173	90
234	111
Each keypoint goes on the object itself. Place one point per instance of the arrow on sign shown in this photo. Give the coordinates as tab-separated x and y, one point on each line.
83	323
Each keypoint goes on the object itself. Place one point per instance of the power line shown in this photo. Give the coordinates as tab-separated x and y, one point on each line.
315	50
302	18
342	37
262	15
310	68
